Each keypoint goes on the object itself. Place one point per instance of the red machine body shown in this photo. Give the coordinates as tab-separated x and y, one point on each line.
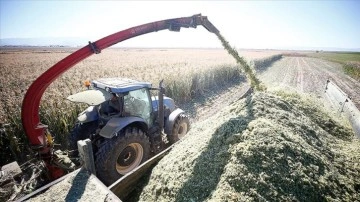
34	129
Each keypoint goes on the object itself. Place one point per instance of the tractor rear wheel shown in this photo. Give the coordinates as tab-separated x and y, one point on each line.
121	154
181	127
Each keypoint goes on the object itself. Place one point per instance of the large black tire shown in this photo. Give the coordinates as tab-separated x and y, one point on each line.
121	154
81	131
181	127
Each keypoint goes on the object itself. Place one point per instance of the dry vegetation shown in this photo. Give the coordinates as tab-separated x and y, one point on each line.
186	72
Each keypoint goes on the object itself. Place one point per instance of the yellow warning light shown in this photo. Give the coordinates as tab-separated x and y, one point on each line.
87	83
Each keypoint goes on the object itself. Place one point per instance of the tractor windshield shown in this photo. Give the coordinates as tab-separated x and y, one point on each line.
137	103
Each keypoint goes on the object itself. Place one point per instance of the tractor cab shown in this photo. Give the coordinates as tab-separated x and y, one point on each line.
117	97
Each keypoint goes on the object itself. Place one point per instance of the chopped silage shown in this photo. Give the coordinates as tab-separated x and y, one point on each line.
79	185
264	147
254	81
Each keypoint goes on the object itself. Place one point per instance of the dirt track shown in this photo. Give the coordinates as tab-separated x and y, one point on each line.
309	75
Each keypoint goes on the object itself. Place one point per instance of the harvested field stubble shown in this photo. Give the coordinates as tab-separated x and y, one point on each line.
263	147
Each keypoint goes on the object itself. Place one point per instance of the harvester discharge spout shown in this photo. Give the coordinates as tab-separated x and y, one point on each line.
203	20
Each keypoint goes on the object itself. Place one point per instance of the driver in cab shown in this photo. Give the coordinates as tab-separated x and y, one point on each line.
112	106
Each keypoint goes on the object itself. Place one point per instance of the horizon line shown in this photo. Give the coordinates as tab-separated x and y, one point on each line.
139	47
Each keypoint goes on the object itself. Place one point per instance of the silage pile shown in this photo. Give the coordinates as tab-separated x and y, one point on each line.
264	147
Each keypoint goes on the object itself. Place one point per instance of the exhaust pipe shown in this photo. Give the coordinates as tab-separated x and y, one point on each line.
161	105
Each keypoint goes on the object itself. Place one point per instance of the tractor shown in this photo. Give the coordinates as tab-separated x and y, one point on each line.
125	124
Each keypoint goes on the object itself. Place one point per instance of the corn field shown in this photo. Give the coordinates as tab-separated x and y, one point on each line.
186	72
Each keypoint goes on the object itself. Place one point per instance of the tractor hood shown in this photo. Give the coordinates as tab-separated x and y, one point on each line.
90	97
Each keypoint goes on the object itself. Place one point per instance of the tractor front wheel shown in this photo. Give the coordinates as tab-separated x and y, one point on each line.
181	127
121	154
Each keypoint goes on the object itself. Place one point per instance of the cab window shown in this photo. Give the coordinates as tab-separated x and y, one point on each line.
137	103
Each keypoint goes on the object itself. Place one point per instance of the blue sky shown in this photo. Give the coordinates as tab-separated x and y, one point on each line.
245	24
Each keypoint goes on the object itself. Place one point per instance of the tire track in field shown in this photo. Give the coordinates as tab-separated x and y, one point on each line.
289	80
280	75
286	77
300	75
315	80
